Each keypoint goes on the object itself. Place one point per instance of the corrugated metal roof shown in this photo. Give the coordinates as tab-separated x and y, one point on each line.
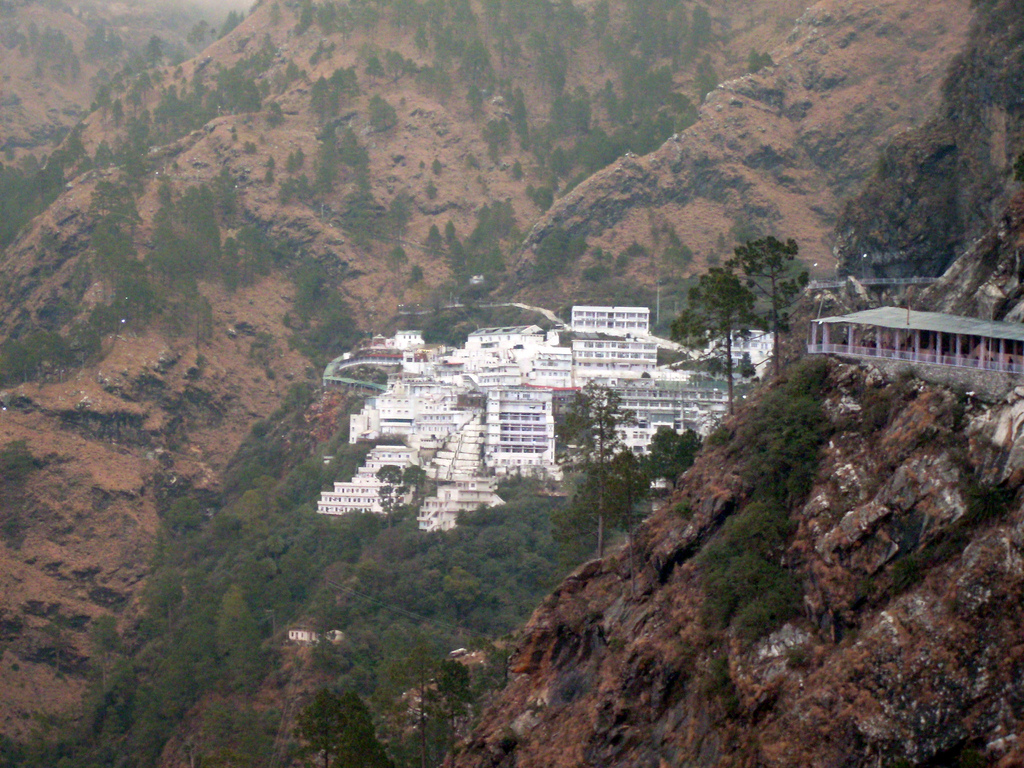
897	317
507	329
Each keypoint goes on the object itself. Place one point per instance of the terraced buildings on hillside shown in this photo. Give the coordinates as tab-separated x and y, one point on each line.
489	408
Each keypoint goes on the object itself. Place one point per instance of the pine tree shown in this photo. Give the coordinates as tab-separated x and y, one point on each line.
768	266
718	308
340	730
591	433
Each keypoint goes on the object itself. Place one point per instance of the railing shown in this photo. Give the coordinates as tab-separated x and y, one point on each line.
374	360
873	281
933	358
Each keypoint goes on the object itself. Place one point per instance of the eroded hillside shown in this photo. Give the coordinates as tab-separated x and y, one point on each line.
228	223
938	188
55	59
863	612
775	152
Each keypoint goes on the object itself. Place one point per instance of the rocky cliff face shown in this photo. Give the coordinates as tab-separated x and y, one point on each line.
909	554
986	280
938	188
777	151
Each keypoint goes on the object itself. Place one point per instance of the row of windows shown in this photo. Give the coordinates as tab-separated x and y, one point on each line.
622	356
608	314
532	409
615	345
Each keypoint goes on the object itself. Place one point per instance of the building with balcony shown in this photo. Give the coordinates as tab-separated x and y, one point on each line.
520	431
598	355
614	320
935	338
441	511
362	492
697	403
550	367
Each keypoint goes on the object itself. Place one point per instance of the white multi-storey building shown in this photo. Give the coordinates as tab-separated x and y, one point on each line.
596	355
416	408
388	455
696	404
551	367
616	320
440	512
362	492
501	375
505	337
520	431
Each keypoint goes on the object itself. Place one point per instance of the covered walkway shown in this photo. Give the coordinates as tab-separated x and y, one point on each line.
921	337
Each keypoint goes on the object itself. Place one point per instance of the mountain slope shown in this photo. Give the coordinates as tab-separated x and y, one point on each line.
900	644
940	187
55	59
173	293
181	284
777	151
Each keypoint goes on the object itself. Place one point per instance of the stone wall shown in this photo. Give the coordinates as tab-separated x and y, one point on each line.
989	386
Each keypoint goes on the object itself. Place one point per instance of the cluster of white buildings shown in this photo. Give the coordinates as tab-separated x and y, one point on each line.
488	409
362	492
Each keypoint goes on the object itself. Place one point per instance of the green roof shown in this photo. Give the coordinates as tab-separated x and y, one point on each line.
357	383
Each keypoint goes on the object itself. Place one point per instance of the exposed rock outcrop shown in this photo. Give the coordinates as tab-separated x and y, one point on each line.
906	649
937	188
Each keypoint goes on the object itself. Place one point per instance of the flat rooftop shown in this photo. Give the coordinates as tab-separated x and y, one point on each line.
532	329
592	308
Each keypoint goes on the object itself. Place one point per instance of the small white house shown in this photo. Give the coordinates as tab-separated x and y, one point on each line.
303	636
408	339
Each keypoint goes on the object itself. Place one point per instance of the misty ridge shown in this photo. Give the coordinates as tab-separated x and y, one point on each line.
212	11
215	9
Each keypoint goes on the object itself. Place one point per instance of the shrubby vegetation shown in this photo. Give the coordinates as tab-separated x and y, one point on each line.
639	107
51	49
747	586
556	251
481	252
608	482
228	571
188	247
26	191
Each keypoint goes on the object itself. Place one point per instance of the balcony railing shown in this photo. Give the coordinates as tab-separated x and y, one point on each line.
933	358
